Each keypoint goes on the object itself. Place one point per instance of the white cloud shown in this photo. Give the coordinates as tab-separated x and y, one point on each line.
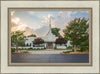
31	12
74	12
16	25
53	25
45	19
15	20
41	23
42	30
84	11
12	13
69	14
60	21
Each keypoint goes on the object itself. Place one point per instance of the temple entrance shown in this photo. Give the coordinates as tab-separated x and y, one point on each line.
49	45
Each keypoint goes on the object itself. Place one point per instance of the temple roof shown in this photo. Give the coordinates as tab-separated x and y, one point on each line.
49	37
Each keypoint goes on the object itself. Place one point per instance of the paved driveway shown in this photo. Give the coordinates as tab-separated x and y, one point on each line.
48	58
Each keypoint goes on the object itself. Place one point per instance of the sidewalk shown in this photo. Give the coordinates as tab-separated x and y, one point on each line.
47	51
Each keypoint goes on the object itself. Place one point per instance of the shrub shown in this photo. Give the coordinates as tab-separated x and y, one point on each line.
84	48
34	49
69	47
12	50
72	50
44	47
55	47
67	51
60	41
30	48
22	49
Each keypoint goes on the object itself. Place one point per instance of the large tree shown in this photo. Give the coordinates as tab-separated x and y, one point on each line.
55	31
77	31
38	41
60	41
18	39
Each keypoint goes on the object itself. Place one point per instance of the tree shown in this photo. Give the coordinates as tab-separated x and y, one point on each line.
55	31
27	44
77	31
18	38
60	41
85	43
32	35
38	41
30	44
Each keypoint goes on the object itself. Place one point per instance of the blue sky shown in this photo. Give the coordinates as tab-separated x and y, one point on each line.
37	22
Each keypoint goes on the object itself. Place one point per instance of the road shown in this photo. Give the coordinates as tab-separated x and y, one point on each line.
49	58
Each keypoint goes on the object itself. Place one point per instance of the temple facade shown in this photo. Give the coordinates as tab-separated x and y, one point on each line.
49	40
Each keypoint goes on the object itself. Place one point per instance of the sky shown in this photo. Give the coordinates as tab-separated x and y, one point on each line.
37	22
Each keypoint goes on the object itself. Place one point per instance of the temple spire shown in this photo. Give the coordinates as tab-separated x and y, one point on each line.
50	23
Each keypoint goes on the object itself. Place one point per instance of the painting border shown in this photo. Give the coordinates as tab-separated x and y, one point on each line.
50	73
50	64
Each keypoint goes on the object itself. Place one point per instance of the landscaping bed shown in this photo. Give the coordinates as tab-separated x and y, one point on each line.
76	53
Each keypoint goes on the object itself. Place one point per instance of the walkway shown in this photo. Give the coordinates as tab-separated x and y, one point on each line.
47	51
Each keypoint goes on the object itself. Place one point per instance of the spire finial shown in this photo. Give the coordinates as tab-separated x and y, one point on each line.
50	20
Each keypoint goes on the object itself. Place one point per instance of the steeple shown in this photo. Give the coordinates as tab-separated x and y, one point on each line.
50	23
49	37
49	33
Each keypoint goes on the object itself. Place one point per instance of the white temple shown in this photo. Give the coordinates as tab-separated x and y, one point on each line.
49	39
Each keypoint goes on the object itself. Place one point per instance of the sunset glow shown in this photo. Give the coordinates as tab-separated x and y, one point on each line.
37	22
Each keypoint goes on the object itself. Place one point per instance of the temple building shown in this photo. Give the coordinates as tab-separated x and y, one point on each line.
49	39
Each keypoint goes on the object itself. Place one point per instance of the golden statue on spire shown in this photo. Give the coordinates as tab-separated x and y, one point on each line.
49	20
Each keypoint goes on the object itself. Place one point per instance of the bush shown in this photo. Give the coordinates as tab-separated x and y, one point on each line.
72	50
22	49
67	51
84	48
12	50
30	48
34	48
55	47
69	47
44	47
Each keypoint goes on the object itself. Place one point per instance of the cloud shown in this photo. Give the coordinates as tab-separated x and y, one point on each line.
15	20
84	11
59	21
53	25
45	19
12	13
42	30
17	25
39	22
31	12
74	12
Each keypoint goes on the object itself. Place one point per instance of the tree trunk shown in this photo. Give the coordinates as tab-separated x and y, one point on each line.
75	48
16	48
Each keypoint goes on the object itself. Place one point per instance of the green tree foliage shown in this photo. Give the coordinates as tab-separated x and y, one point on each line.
38	41
27	44
30	44
85	43
18	39
77	31
55	31
32	35
60	41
